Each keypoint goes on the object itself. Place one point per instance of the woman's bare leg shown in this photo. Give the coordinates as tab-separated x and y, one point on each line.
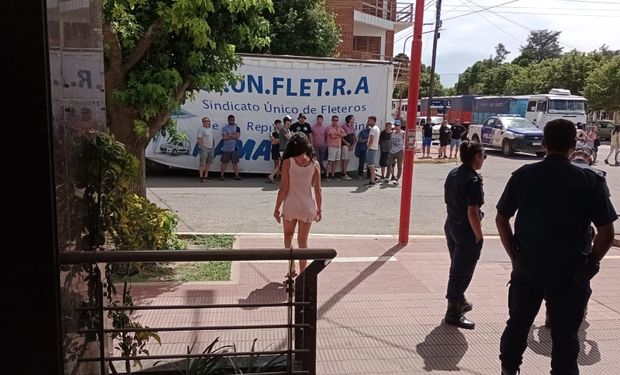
303	230
289	231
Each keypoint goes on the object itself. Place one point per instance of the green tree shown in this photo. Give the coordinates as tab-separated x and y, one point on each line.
541	45
494	80
603	86
425	81
500	53
302	28
159	52
469	80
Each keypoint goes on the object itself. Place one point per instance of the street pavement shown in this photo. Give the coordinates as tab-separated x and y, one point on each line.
380	305
380	309
349	207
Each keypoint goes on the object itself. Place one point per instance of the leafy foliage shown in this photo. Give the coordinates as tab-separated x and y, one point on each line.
301	28
603	86
541	45
159	52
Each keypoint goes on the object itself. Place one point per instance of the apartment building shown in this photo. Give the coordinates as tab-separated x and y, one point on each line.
368	26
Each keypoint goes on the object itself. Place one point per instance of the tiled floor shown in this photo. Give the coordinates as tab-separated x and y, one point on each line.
381	308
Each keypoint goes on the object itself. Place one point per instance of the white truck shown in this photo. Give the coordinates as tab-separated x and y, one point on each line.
271	87
509	133
557	104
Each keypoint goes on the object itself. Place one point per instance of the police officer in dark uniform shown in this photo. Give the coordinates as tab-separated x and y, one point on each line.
464	196
556	202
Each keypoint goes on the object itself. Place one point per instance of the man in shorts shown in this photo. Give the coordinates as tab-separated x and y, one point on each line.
455	142
334	147
373	149
205	143
348	143
318	141
427	139
230	134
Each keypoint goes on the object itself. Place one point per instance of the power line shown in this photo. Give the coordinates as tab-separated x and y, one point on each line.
493	23
541	14
516	23
481	10
544	8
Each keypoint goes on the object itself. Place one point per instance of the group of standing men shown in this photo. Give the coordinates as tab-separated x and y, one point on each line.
338	144
553	251
206	143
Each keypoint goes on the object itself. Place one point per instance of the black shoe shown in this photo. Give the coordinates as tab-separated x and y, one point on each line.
455	317
509	372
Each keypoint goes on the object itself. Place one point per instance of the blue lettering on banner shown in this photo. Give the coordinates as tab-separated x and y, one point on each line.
246	149
257	84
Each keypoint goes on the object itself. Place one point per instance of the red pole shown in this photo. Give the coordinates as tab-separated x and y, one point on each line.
414	88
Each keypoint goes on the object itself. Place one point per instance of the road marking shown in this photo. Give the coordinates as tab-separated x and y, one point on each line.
383	258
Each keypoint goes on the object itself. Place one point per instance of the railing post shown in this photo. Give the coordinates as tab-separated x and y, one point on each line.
101	322
306	291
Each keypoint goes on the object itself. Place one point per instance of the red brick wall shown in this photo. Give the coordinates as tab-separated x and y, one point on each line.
343	10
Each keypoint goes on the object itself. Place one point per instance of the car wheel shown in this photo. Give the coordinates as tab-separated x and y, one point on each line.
507	149
475	138
174	152
540	154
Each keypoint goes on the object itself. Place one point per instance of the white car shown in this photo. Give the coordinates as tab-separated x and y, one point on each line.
175	148
509	133
435	120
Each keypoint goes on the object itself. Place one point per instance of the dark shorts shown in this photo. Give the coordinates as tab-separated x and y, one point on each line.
426	141
275	154
383	160
444	142
230	156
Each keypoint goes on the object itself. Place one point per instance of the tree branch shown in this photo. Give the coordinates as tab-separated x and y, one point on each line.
142	47
157	122
115	56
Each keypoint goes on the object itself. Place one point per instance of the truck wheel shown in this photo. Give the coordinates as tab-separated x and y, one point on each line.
540	154
507	149
475	138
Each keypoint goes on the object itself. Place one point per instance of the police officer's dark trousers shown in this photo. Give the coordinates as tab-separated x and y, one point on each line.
566	302
464	255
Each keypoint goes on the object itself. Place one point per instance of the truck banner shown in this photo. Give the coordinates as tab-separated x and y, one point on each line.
271	88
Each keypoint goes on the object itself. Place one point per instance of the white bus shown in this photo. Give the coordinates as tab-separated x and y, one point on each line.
558	103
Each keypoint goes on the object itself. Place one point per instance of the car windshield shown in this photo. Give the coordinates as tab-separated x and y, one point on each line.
519	123
559	105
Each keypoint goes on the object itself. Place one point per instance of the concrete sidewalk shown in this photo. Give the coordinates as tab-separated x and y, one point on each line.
381	308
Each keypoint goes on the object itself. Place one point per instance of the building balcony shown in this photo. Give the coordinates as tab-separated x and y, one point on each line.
385	14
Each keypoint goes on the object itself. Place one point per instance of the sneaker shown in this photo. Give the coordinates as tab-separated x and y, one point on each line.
393	178
346	177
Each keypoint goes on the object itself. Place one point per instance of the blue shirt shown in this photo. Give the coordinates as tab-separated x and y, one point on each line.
362	140
228	145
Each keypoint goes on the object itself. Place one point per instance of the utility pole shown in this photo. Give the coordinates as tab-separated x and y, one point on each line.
432	82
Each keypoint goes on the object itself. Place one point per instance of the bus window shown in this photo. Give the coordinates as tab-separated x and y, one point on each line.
541	107
531	106
567	106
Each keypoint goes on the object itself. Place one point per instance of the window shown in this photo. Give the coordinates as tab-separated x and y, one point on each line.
371	44
531	106
541	107
560	105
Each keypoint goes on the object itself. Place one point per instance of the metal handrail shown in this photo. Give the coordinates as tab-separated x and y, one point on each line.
304	288
79	257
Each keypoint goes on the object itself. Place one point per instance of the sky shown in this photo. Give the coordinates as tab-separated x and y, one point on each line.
470	32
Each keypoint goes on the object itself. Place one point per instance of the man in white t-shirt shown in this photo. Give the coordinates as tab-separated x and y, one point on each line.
373	149
206	144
